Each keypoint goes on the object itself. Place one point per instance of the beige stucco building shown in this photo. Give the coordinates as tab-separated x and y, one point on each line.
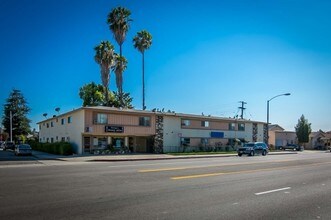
95	128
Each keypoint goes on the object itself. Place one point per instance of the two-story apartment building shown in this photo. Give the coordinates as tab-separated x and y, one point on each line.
92	128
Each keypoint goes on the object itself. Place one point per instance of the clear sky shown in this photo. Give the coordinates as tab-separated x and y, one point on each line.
205	57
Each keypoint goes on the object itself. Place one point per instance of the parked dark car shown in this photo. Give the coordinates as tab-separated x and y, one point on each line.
23	149
9	145
253	148
291	147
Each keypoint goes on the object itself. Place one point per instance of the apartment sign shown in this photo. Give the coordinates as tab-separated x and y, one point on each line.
114	129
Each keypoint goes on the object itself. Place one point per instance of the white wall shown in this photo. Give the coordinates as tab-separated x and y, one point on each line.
71	132
173	132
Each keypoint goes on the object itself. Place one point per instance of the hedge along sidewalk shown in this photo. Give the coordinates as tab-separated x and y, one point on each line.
59	148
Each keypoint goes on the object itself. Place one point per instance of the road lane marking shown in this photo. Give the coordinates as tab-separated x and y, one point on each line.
271	191
196	176
244	171
206	166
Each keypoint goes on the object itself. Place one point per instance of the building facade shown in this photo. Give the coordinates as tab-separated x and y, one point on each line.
97	128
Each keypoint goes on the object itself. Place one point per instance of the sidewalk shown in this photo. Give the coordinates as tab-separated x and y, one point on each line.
133	157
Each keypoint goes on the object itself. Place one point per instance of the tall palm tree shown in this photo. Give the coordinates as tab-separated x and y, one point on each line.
119	23
142	41
105	57
119	68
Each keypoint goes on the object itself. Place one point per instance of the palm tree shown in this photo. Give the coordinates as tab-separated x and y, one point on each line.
118	20
105	57
119	23
142	41
119	68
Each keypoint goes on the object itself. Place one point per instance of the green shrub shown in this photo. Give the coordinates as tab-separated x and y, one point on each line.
60	148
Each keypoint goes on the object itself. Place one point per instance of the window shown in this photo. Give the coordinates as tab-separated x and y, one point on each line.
204	141
144	121
52	124
241	127
185	142
101	118
69	119
57	138
52	140
47	125
232	126
63	139
47	140
62	121
68	139
186	122
205	124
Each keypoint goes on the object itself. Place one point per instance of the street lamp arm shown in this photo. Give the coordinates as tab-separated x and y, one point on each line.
278	96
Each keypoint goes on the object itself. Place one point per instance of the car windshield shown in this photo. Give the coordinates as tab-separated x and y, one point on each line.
24	147
249	145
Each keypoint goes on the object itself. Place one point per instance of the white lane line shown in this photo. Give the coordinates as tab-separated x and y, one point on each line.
271	191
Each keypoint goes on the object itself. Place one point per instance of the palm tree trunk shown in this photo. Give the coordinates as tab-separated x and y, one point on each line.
121	82
143	56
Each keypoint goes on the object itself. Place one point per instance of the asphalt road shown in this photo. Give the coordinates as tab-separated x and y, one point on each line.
273	187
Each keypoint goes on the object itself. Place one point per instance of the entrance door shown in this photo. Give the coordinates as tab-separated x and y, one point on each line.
87	144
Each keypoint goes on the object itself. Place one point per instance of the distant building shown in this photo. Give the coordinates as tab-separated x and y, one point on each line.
278	137
94	128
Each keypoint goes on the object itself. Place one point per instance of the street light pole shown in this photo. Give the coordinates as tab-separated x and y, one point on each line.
285	94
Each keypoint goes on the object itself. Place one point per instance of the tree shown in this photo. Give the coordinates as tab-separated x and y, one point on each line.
104	56
93	94
119	68
303	130
17	107
119	24
125	101
142	41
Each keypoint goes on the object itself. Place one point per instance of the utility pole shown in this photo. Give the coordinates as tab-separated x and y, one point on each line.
242	108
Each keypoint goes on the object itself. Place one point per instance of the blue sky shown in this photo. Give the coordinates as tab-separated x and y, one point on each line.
205	57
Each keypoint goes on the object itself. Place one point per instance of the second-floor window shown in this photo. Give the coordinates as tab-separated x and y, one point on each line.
69	119
241	127
186	122
205	124
62	121
52	124
101	118
144	121
232	126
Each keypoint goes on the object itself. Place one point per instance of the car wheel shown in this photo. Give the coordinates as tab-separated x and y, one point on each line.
252	153
239	155
264	153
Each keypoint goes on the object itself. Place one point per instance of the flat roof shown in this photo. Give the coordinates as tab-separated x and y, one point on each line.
156	112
